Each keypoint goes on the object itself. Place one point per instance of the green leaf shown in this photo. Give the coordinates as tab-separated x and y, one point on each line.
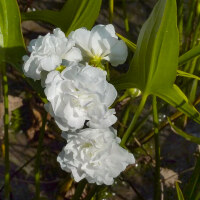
192	191
12	46
155	61
73	15
130	44
189	55
177	99
188	75
179	192
11	41
153	69
184	134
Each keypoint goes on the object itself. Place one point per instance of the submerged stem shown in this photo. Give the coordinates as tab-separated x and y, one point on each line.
6	136
38	159
157	188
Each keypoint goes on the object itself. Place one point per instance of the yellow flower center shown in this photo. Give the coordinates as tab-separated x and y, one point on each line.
60	68
96	61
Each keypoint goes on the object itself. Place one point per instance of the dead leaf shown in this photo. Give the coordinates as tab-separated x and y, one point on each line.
169	177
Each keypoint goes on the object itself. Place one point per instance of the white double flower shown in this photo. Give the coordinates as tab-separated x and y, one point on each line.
48	52
94	154
79	94
100	44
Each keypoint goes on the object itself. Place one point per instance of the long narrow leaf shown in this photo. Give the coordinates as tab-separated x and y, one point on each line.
188	75
189	55
184	134
130	44
176	98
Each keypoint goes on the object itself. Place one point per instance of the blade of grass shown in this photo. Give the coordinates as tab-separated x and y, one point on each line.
192	189
157	187
6	135
130	44
193	91
188	75
94	190
180	22
179	192
38	158
191	16
189	55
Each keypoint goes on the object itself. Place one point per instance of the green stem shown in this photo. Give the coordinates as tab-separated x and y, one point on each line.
79	190
124	120
134	120
126	23
157	187
111	9
6	136
38	158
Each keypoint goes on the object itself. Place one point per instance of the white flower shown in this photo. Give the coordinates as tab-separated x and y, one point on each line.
79	94
100	44
48	52
94	154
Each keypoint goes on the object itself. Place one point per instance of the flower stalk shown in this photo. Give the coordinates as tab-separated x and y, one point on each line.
111	9
134	120
79	189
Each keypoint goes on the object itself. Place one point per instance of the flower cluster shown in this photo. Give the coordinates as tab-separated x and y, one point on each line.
72	73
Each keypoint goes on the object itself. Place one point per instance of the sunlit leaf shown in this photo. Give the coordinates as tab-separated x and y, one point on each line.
73	15
130	44
155	61
12	46
177	99
153	69
11	41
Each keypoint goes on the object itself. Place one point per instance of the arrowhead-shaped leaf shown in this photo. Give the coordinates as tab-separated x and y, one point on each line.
154	65
155	61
